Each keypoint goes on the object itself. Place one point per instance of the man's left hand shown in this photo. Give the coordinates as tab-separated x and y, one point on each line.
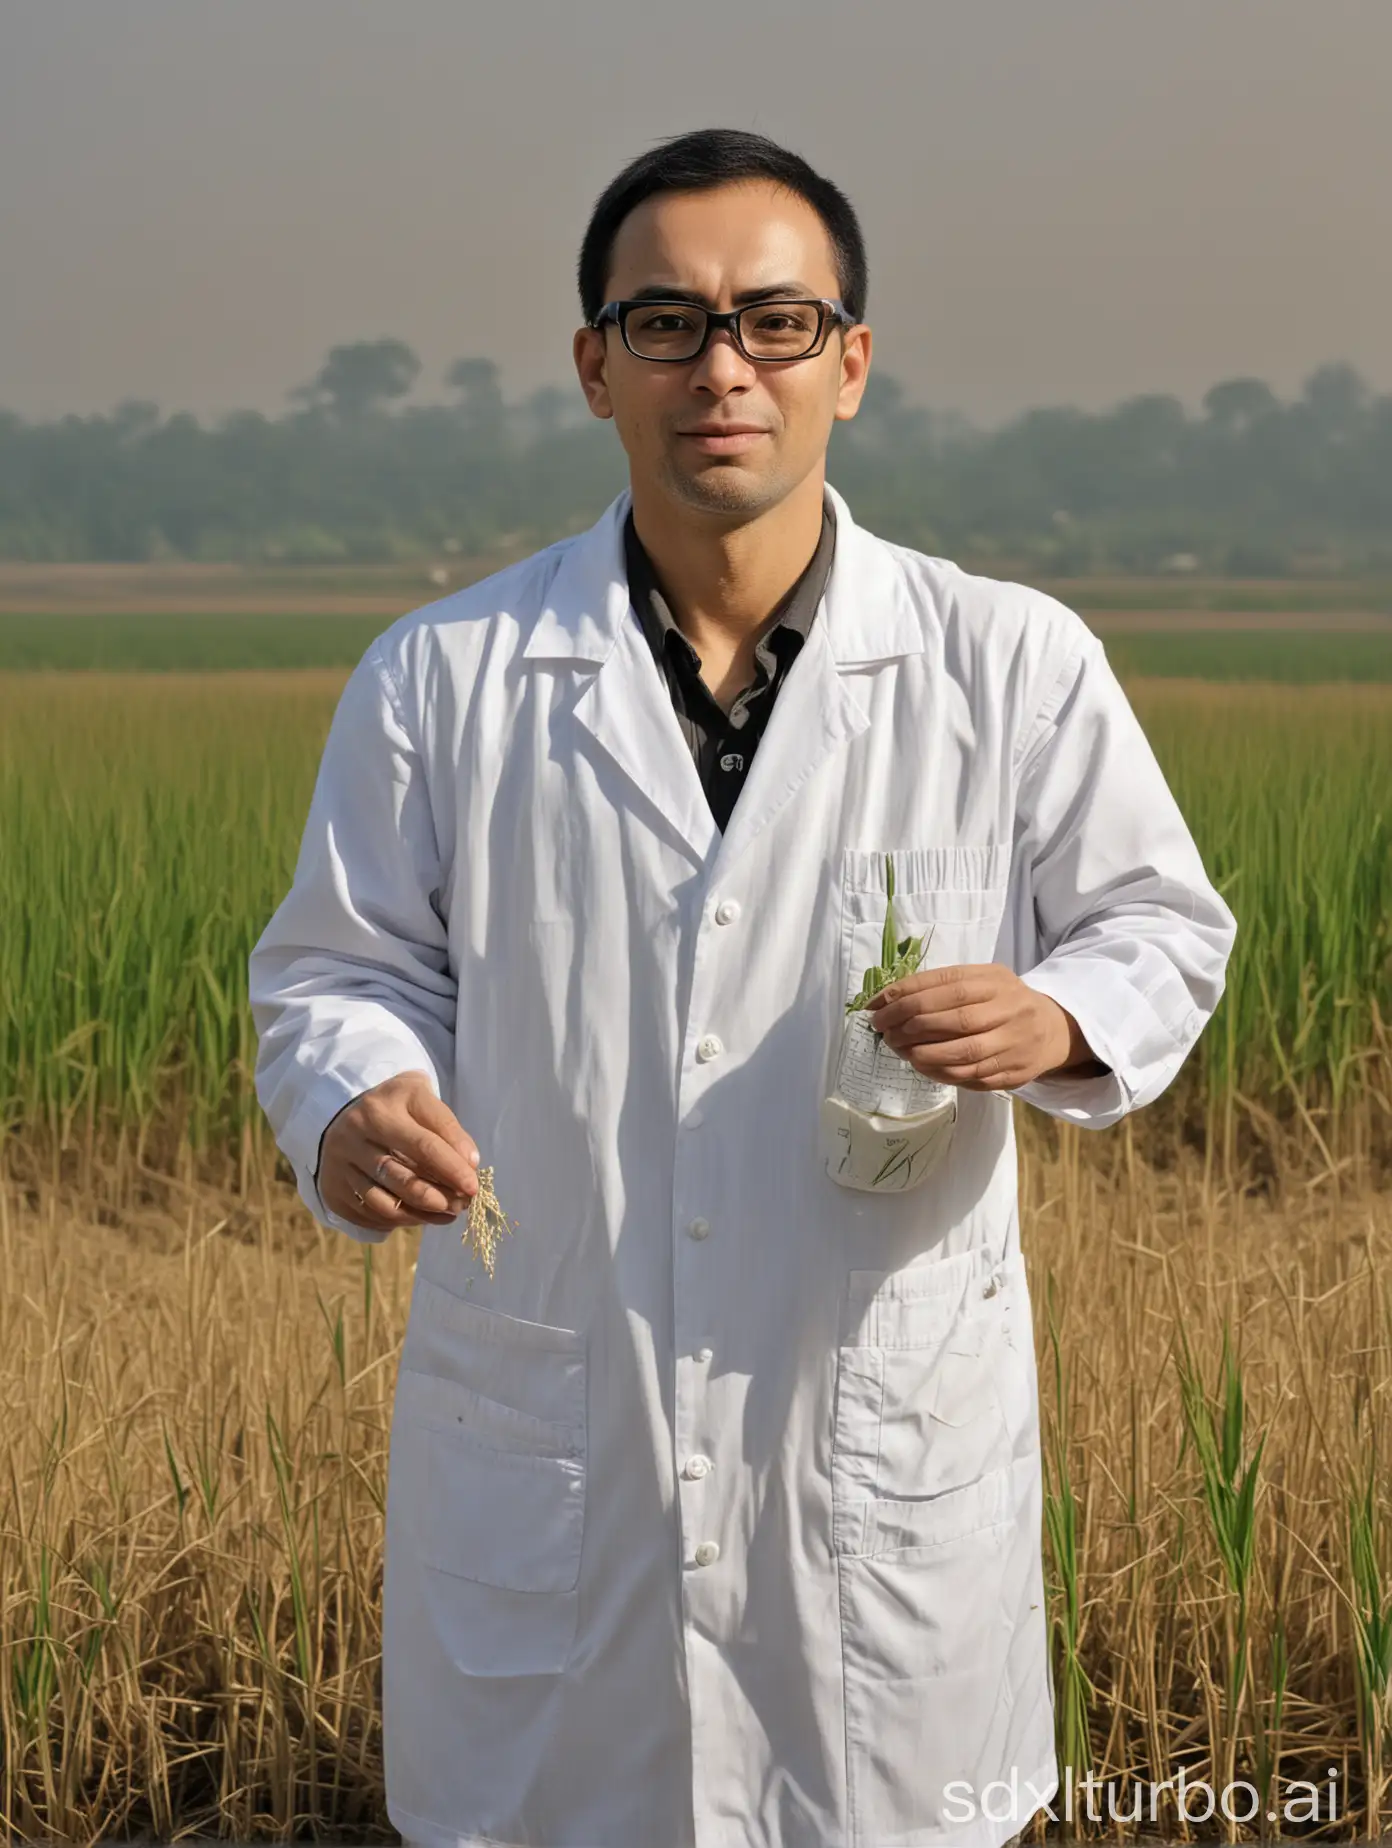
980	1027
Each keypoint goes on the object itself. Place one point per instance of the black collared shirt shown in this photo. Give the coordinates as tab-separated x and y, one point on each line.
723	743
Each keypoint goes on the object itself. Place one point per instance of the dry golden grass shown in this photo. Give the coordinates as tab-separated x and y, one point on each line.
197	1393
1191	1659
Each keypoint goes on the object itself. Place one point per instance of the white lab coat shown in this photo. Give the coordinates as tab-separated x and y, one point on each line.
714	1518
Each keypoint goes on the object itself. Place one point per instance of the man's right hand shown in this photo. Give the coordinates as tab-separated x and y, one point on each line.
405	1153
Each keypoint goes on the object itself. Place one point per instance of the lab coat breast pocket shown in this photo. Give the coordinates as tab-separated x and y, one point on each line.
955	893
489	1481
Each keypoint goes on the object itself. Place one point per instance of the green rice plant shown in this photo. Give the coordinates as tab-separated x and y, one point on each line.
1268	1717
34	1655
901	957
1372	1624
1073	1690
1230	1474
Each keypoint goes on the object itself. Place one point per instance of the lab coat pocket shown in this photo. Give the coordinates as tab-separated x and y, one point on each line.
531	1366
931	1400
926	1619
957	893
487	1488
884	1125
506	1503
928	1396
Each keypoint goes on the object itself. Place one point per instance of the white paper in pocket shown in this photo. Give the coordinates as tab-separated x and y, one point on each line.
884	1127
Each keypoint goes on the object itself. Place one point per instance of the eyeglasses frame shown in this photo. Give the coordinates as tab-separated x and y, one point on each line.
833	314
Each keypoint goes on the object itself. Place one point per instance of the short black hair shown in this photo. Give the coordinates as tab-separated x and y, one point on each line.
709	157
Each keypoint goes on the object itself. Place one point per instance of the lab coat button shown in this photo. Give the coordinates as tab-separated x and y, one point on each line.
705	1354
727	911
699	1228
707	1552
708	1047
696	1467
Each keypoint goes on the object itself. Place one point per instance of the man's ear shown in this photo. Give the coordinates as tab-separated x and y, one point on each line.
855	370
591	360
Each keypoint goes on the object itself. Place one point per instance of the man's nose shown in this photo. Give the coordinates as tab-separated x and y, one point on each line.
722	367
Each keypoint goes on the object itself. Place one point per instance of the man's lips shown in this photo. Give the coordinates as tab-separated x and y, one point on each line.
723	439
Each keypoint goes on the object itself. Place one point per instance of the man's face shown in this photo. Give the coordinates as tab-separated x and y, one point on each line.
723	435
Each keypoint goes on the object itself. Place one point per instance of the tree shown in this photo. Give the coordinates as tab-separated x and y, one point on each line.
1234	405
476	385
361	377
545	411
134	419
1336	397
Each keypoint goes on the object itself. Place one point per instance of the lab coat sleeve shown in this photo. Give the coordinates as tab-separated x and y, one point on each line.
1134	938
350	982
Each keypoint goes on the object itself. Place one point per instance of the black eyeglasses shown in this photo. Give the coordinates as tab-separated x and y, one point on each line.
674	333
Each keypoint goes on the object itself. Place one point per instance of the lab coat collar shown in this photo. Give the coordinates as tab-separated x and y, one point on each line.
866	616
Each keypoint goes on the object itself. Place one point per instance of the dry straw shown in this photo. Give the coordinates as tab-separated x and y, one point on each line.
193	1468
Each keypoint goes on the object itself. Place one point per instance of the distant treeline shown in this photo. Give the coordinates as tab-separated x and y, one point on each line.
1251	485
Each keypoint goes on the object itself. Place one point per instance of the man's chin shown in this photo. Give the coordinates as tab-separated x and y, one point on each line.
723	485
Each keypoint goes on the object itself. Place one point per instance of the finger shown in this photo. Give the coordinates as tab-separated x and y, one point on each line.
934	990
399	1178
340	1191
396	1132
981	1058
437	1115
383	1203
965	1022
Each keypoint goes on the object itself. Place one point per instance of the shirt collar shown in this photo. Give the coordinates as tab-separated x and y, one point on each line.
793	615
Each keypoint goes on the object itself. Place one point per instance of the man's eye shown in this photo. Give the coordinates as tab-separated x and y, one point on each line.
783	320
668	322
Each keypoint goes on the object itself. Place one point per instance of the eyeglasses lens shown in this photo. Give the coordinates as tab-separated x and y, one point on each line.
768	330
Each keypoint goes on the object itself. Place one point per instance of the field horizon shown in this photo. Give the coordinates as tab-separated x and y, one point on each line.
193	588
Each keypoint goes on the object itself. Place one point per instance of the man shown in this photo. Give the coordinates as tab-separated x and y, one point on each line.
714	1515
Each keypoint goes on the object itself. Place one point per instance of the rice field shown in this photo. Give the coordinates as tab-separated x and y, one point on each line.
177	642
196	1380
1181	645
149	825
1292	657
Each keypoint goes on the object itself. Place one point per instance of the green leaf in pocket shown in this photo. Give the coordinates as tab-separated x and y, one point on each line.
887	940
897	957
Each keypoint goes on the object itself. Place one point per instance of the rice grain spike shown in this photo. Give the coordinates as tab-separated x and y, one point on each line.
486	1222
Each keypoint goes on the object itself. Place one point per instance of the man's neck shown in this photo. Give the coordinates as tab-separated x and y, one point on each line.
723	582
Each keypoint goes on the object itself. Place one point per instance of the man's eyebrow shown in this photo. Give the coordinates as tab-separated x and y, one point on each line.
783	291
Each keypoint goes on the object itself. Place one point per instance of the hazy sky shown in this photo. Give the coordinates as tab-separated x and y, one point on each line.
1064	200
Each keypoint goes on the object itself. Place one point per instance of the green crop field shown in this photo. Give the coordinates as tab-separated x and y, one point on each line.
150	824
219	642
182	643
1297	657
